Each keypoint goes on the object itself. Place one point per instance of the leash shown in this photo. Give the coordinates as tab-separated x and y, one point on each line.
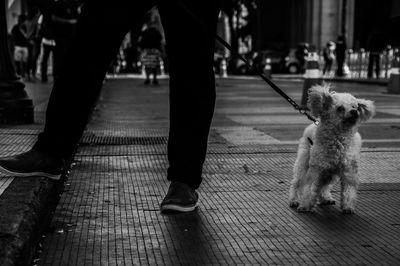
301	110
275	87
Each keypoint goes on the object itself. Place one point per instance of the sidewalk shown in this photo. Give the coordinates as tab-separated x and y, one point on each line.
25	203
108	213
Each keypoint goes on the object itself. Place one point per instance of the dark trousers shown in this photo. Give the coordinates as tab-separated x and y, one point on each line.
60	53
47	49
340	64
327	66
374	59
101	28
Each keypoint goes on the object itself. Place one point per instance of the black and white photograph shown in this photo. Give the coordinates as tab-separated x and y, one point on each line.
199	132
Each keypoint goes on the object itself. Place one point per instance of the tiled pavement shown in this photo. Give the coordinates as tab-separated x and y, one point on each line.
109	211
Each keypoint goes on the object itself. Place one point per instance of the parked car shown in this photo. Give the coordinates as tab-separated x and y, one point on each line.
282	61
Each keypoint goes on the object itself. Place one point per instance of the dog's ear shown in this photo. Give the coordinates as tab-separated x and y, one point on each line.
319	99
366	108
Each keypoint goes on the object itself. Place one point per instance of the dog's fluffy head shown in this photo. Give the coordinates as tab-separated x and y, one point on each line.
341	109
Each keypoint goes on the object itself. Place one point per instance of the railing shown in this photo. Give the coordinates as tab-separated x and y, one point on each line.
356	63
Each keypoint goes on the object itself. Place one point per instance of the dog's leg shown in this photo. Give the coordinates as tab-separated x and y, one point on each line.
311	190
349	185
325	197
299	171
294	193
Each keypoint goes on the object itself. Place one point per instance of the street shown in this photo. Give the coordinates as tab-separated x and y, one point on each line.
109	212
84	175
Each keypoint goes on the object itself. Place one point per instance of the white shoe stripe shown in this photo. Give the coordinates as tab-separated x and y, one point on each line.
31	174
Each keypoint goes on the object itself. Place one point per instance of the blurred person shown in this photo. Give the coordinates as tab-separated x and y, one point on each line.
65	18
101	28
301	54
150	44
19	35
33	38
340	55
375	46
329	56
46	27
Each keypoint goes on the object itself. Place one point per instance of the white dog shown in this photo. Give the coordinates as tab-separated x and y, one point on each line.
329	150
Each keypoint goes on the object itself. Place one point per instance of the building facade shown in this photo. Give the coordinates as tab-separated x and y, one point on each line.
289	22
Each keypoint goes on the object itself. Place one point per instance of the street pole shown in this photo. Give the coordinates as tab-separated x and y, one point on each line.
15	105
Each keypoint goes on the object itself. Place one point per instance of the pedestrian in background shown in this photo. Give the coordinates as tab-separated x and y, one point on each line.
46	26
150	44
19	35
102	27
329	56
375	46
340	55
301	54
33	38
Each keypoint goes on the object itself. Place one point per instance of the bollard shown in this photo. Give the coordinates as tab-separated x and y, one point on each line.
267	68
350	62
162	68
224	68
311	77
394	79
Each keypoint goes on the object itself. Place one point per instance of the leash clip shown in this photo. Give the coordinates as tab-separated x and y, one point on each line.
304	111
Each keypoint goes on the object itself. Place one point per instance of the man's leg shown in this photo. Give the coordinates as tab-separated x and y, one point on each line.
101	28
189	30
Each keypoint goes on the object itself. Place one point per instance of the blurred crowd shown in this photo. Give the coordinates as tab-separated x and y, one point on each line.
45	32
39	39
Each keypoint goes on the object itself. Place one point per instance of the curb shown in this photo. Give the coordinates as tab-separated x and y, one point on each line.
338	79
383	82
29	204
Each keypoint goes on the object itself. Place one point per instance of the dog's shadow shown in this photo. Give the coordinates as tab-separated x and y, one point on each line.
328	222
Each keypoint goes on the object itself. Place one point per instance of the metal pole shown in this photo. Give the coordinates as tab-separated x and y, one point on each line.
15	105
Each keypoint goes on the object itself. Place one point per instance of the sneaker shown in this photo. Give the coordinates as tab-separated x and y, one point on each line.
180	197
31	163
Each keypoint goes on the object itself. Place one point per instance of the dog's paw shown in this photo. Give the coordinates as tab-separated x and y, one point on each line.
306	209
348	211
327	202
293	204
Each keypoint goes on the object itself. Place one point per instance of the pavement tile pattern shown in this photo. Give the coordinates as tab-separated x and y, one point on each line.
109	212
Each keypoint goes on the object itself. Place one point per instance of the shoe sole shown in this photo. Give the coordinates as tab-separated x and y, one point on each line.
31	174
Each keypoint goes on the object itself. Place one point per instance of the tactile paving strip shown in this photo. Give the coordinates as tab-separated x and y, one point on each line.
116	140
109	214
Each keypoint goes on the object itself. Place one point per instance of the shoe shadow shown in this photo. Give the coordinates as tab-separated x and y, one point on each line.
189	234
